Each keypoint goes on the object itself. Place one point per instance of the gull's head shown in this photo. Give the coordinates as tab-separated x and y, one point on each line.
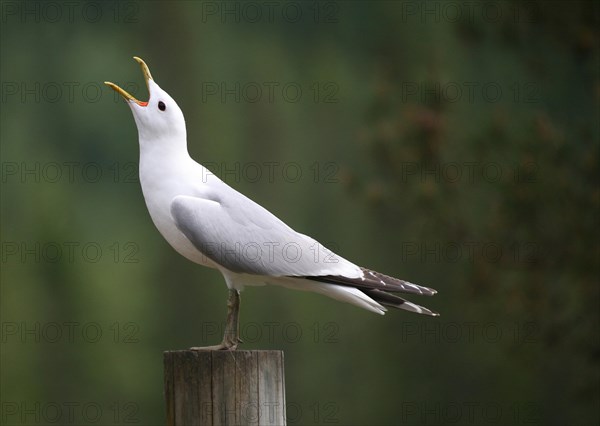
159	119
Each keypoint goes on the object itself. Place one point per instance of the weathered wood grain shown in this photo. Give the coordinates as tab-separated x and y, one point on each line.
224	388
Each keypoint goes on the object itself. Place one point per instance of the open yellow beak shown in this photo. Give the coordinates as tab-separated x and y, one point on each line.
124	93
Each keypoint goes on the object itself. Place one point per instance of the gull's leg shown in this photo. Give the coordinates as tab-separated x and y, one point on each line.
231	338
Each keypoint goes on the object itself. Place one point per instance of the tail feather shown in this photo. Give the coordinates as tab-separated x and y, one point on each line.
380	287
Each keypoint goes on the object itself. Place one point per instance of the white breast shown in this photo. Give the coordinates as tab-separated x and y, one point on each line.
161	182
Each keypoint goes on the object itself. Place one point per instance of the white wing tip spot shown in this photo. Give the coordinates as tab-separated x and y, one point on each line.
416	307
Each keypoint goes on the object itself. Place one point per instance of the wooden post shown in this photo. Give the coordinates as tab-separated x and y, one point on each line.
224	388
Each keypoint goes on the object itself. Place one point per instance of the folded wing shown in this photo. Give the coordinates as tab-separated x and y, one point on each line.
243	237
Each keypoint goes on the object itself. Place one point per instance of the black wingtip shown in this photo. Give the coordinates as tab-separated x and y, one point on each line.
394	301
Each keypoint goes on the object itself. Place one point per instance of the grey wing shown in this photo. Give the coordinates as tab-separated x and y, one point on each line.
243	237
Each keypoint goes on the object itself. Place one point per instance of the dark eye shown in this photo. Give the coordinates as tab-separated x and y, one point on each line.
162	106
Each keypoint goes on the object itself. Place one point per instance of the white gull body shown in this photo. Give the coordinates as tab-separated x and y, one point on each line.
211	224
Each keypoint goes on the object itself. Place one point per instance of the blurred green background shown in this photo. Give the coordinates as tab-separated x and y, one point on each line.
452	144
